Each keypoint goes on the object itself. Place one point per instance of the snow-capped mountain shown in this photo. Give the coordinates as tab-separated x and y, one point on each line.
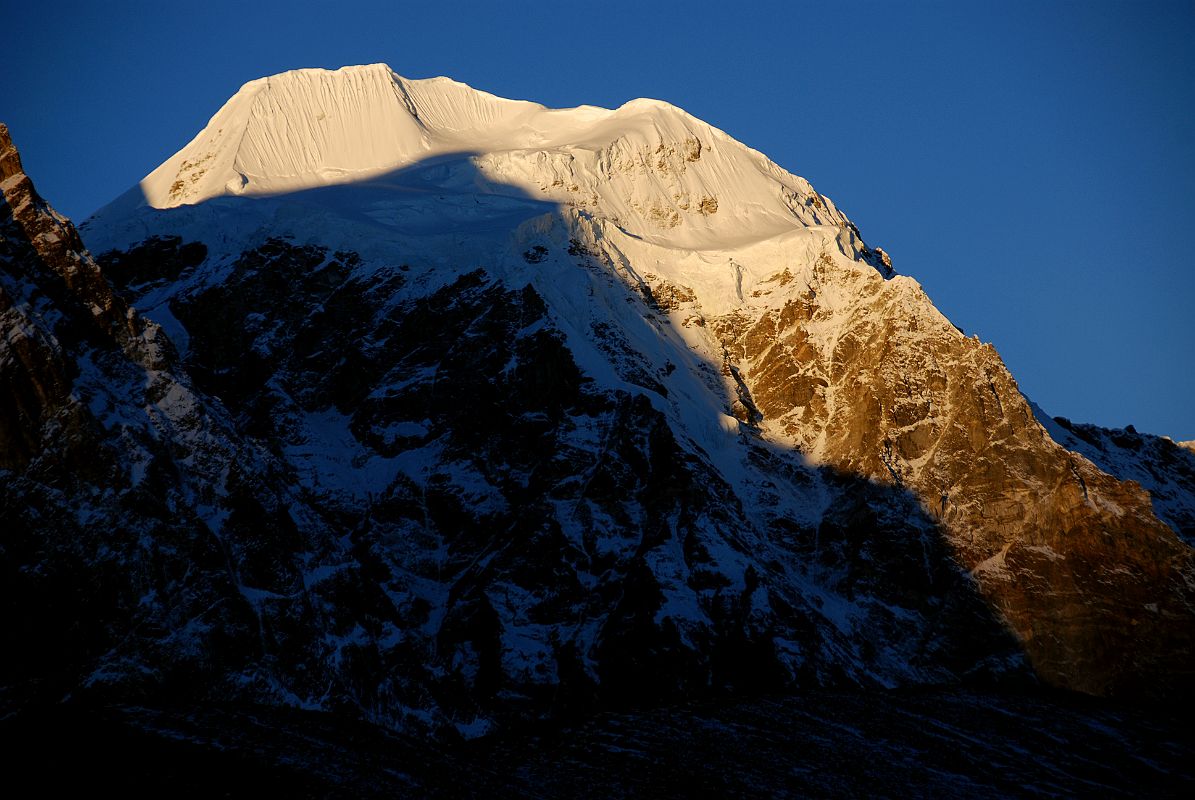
647	162
481	409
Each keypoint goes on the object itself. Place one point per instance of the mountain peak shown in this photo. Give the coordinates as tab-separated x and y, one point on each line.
291	131
648	166
649	104
10	159
494	409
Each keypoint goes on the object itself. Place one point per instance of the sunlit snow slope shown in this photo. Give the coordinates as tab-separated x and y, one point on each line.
670	177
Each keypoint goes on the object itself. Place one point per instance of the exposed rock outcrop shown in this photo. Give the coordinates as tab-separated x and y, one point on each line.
1096	586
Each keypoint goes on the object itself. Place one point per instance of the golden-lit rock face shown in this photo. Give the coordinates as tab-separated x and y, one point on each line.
1096	588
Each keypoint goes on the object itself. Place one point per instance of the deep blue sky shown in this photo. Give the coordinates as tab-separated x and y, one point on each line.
1033	165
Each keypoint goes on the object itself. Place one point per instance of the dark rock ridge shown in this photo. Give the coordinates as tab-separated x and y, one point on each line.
832	744
113	473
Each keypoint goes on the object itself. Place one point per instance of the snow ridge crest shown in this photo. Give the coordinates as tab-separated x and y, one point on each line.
646	164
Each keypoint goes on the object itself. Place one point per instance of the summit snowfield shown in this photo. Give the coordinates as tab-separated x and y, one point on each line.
647	161
566	409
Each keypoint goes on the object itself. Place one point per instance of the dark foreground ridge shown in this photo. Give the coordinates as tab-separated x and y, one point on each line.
826	744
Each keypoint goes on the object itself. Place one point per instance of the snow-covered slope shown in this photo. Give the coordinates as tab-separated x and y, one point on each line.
648	165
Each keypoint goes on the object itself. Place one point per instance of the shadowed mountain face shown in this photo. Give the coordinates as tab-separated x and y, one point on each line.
413	501
111	462
526	431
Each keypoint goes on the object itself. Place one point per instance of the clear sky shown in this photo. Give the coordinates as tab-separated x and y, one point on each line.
1031	164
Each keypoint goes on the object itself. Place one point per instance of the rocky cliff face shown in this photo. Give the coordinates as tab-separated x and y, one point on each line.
546	411
1164	468
1096	586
